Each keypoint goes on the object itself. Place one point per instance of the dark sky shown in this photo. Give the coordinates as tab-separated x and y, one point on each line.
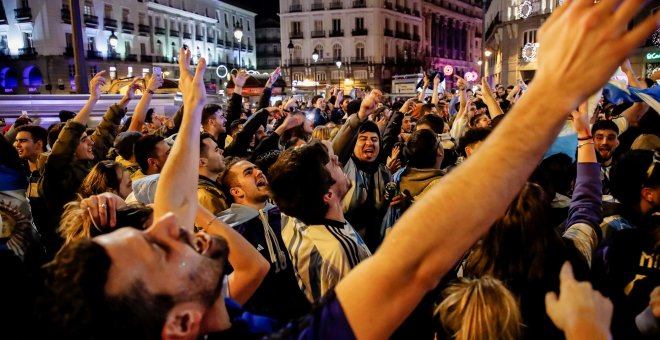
261	7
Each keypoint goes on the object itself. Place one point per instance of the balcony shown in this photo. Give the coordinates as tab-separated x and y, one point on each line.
199	37
407	10
94	55
66	15
131	57
390	61
403	35
339	33
187	35
388	32
174	33
317	6
295	8
220	43
210	39
297	61
399	8
416	13
146	59
159	30
143	30
110	24
250	48
68	52
336	5
296	35
359	3
416	37
318	34
114	55
359	32
23	14
388	5
27	52
91	21
127	27
358	60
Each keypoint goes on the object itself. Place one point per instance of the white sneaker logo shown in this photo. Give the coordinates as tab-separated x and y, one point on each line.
260	248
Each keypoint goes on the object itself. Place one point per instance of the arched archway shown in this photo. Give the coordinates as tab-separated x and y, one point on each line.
32	76
8	78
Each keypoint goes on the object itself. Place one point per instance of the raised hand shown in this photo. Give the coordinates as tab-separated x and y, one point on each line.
578	305
369	104
133	87
581	120
460	82
273	77
436	81
579	35
95	85
291	104
240	78
154	82
192	85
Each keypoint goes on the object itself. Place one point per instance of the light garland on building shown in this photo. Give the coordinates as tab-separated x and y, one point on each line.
656	38
529	52
525	9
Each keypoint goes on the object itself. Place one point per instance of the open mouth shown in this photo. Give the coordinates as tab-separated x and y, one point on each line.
369	151
261	183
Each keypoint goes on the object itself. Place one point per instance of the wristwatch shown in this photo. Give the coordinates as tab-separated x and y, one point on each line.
149	91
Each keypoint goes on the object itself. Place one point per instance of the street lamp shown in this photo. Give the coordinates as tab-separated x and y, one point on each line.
488	53
290	47
238	34
338	63
480	62
113	41
315	57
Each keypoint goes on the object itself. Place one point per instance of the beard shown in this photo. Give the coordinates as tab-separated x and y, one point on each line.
602	159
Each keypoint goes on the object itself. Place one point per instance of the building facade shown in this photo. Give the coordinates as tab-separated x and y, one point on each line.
453	31
36	47
373	39
511	39
269	48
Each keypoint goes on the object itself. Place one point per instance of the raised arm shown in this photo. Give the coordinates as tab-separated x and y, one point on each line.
177	187
250	268
343	142
95	94
420	96
489	99
264	100
426	245
236	100
140	113
436	83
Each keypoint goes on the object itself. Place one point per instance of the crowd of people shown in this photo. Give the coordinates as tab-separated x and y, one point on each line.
347	217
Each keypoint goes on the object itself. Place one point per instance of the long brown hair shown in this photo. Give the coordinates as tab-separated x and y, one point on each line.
102	178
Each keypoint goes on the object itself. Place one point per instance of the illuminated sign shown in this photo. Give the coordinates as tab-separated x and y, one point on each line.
222	71
448	70
32	89
653	56
471	76
9	90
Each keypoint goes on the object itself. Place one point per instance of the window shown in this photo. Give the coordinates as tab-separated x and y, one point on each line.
319	48
248	25
27	40
143	49
298	76
398	26
297	52
318	25
336	25
361	75
295	27
125	14
67	38
337	74
141	17
107	11
336	51
159	48
127	47
359	23
91	44
89	8
387	23
93	70
320	76
359	51
529	37
226	21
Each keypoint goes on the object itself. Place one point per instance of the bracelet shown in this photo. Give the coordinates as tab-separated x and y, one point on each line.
585	138
149	91
583	144
210	222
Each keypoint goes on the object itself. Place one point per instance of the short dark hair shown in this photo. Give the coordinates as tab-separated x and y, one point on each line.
203	152
472	136
266	160
476	117
435	122
208	112
145	148
369	126
54	132
630	174
75	305
65	115
38	134
426	108
299	180
148	118
421	149
604	125
315	98
234	125
125	142
228	180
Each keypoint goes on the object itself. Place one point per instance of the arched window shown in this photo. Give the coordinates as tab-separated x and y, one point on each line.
336	51
319	48
359	51
159	48
320	77
361	74
298	76
297	52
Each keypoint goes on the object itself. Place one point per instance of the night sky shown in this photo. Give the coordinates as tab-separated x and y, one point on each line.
264	8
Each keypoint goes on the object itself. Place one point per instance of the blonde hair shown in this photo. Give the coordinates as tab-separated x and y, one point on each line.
321	132
75	223
480	309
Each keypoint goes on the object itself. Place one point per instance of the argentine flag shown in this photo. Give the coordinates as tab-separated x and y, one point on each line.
617	92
